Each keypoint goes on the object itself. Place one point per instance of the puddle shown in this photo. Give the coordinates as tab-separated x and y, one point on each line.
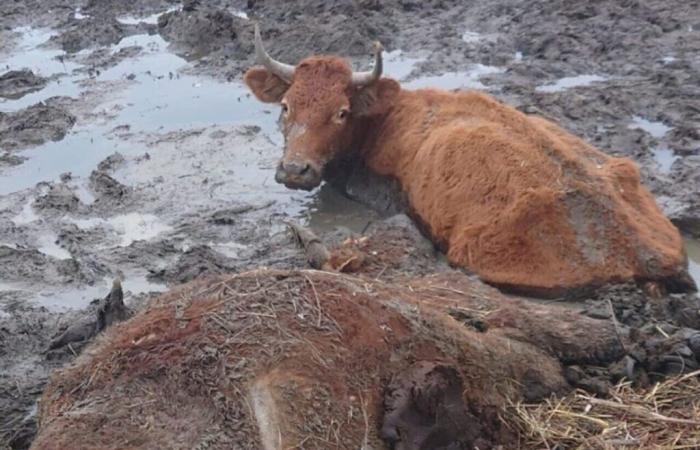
130	227
455	80
570	82
78	15
57	299
692	248
240	14
157	100
228	249
664	158
151	19
30	53
26	216
330	210
400	66
655	129
48	246
518	56
471	37
668	59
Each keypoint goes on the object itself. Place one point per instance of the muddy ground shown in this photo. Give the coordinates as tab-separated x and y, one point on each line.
128	144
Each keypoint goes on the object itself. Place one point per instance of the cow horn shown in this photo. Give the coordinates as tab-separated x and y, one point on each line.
282	70
364	78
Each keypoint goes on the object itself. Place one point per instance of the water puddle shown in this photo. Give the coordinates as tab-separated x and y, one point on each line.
570	82
32	53
655	129
58	299
401	67
663	156
471	36
130	227
26	216
692	248
157	100
151	19
47	245
77	15
455	80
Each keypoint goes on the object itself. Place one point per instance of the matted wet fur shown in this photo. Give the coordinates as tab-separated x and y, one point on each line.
277	359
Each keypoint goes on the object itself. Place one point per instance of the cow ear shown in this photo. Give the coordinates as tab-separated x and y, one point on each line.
376	98
267	87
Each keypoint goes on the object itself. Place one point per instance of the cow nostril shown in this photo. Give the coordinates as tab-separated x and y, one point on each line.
305	169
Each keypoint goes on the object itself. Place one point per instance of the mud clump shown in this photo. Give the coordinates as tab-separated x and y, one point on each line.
34	125
196	262
18	83
109	311
109	192
60	199
195	32
29	265
94	31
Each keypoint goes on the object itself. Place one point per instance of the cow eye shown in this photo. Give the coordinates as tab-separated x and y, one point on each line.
285	108
343	114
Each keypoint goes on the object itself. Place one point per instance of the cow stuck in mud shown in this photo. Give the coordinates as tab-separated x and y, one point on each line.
526	205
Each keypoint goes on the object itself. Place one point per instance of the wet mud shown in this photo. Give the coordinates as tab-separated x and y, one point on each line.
128	145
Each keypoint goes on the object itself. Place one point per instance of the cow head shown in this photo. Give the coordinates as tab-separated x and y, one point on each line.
322	102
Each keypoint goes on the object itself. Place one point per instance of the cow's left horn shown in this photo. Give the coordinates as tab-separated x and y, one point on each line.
282	70
365	78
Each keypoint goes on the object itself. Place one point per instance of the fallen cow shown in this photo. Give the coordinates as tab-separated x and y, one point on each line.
300	359
515	198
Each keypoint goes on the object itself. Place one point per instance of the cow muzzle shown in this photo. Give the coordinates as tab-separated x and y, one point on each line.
297	175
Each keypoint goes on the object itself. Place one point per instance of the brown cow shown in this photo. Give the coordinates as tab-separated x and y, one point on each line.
515	198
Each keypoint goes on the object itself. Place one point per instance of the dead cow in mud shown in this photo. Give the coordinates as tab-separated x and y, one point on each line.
317	360
515	198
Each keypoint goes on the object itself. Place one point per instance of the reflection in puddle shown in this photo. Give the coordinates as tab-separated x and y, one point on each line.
570	82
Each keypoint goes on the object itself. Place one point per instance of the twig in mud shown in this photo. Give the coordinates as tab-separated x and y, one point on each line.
617	326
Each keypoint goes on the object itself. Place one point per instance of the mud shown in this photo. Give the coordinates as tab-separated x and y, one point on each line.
132	159
17	83
34	125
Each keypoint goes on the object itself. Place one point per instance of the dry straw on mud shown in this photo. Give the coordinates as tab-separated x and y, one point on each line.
666	416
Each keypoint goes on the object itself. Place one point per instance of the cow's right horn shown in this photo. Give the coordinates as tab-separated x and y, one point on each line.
360	79
282	70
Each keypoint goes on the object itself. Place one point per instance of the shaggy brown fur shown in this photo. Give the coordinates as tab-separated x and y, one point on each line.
299	359
515	198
